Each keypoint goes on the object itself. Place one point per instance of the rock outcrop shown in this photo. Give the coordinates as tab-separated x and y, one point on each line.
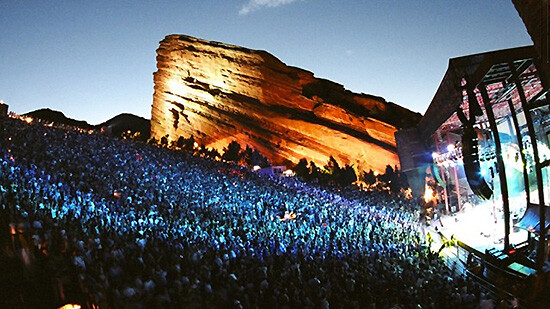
219	92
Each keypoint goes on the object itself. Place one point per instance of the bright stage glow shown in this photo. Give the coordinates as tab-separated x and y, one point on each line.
434	155
480	226
288	173
70	306
450	147
256	167
428	194
289	215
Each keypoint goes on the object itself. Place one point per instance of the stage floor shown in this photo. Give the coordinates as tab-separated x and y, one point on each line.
477	227
480	227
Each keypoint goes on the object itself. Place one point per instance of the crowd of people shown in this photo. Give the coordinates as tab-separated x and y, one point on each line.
110	223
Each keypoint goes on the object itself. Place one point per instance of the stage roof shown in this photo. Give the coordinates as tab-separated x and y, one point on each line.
489	68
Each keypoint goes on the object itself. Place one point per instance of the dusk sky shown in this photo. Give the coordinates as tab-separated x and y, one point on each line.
95	59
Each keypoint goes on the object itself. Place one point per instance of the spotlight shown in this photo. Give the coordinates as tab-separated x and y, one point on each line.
450	147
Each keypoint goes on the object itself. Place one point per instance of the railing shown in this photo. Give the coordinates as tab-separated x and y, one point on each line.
466	256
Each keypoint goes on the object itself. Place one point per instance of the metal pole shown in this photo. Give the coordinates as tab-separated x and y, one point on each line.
521	151
457	184
443	173
541	256
500	164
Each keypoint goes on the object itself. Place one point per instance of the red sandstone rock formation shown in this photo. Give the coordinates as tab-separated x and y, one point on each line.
219	93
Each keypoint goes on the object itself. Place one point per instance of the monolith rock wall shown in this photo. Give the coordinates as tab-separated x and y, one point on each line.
219	92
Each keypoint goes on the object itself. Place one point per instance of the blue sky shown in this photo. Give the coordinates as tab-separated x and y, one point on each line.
95	59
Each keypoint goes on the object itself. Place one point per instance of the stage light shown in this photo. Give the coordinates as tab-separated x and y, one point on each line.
288	173
71	306
428	194
450	147
256	167
434	155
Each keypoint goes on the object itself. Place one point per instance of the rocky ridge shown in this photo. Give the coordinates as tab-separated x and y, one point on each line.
219	92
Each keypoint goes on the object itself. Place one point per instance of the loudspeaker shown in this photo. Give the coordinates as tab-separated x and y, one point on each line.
471	164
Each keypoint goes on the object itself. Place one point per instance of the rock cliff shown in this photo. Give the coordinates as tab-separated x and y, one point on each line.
219	92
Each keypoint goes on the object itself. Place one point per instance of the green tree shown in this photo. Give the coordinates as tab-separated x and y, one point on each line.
314	171
180	142
213	154
189	143
246	155
368	177
388	176
347	176
332	171
301	169
256	158
231	153
164	141
332	167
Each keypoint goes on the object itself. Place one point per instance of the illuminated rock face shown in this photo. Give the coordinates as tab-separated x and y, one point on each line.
219	93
